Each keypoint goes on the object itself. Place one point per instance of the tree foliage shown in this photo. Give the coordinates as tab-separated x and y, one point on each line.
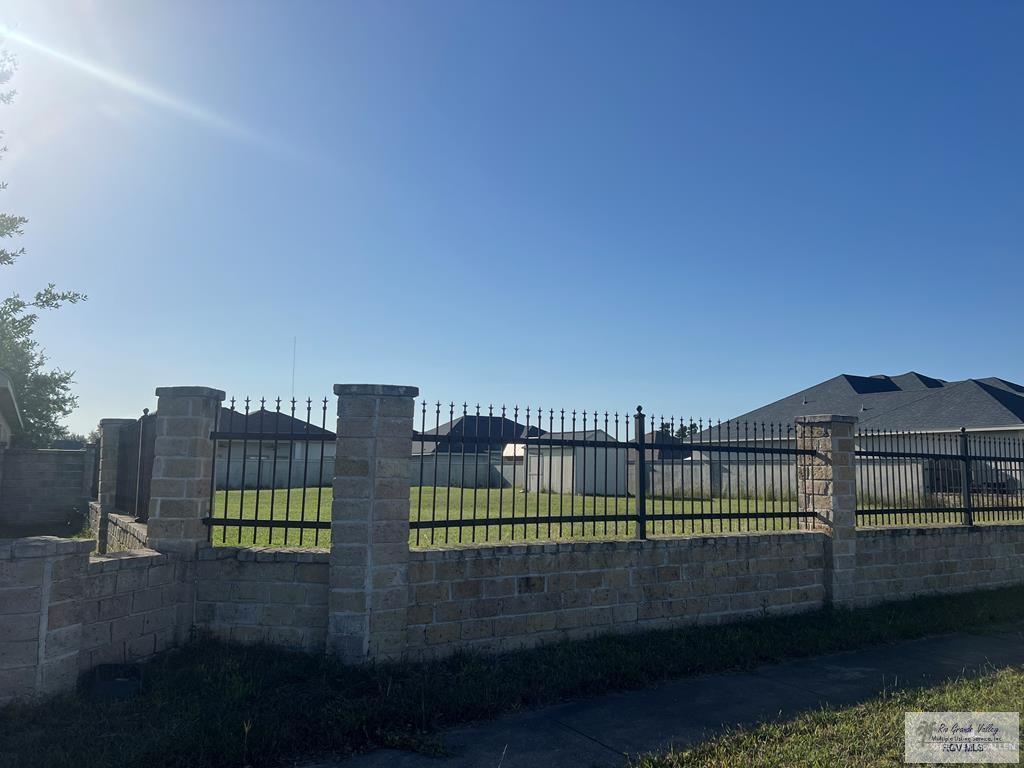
44	394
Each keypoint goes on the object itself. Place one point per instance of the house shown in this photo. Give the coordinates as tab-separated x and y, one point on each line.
598	467
272	449
660	441
10	416
489	434
910	413
911	402
472	452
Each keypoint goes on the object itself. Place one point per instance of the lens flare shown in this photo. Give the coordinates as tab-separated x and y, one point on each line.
136	88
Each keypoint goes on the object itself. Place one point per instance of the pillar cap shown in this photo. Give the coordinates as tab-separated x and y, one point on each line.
116	422
214	394
376	390
824	418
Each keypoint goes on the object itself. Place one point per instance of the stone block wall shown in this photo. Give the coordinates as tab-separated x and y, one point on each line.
124	533
40	628
42	489
254	595
899	563
63	611
117	533
132	605
507	597
371	598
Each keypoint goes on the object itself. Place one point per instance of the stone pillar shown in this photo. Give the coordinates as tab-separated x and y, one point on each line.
41	579
106	492
826	489
179	498
370	522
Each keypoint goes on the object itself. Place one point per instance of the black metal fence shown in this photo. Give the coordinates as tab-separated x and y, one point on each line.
136	444
272	472
514	474
938	478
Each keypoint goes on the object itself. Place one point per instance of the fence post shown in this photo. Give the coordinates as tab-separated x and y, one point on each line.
965	478
369	562
106	485
179	498
826	491
641	475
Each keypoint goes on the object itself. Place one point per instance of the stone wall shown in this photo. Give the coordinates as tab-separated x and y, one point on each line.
500	598
899	563
40	632
370	598
132	606
124	533
254	595
119	533
63	611
42	490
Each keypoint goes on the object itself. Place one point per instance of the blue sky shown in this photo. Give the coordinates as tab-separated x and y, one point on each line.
700	207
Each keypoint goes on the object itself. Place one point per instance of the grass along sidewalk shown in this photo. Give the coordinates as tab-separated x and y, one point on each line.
867	735
211	705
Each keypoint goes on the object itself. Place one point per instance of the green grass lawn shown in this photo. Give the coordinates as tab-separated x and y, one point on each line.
431	504
868	735
211	705
495	507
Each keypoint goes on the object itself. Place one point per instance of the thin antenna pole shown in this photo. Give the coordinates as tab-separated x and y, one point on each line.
294	339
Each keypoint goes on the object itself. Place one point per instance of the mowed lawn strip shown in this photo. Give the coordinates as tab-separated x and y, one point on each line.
867	735
211	705
493	508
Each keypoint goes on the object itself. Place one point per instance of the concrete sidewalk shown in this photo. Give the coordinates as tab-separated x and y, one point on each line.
603	732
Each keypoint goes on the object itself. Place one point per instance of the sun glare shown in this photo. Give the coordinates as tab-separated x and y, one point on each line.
135	88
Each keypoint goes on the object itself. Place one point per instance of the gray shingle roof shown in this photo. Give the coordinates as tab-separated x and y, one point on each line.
910	401
267	422
497	430
591	435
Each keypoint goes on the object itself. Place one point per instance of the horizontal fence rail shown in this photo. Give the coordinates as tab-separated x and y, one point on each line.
515	474
938	478
272	472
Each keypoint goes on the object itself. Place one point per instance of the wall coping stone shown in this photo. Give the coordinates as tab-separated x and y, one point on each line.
470	551
24	451
930	530
266	554
44	546
376	390
219	394
116	422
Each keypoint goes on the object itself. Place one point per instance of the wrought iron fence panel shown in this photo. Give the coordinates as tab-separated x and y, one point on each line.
272	471
938	478
509	474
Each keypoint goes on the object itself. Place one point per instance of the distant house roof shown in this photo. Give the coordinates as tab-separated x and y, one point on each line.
659	437
590	435
9	403
910	401
497	430
267	422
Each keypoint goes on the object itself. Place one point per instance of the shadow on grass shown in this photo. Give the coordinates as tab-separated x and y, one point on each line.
210	704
